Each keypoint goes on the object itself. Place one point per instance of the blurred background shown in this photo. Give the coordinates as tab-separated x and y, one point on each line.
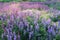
51	3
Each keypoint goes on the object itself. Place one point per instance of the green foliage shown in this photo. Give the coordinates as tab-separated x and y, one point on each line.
0	22
5	22
53	4
5	38
22	0
57	37
57	5
1	29
6	0
54	19
58	17
15	29
30	20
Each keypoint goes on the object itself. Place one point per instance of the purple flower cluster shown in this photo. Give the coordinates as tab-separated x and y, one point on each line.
28	26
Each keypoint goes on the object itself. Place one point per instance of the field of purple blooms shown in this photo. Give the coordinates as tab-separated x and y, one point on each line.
30	24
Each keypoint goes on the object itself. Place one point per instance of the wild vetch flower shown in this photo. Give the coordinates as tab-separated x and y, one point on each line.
9	37
1	18
8	20
48	21
37	27
51	31
35	21
7	31
14	34
18	36
44	22
31	28
4	17
21	25
25	32
30	35
12	17
58	25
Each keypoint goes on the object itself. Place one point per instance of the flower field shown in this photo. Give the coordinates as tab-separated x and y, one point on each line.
30	24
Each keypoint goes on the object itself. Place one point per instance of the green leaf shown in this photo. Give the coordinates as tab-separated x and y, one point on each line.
15	29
